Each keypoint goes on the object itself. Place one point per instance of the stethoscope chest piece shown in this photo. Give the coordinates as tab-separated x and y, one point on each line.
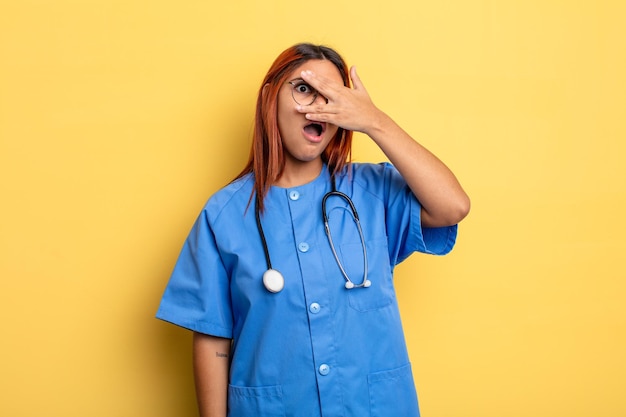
273	280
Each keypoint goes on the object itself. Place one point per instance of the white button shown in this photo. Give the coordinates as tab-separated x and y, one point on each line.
304	247
324	369
294	195
314	308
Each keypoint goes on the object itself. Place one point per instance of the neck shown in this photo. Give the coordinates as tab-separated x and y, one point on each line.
299	174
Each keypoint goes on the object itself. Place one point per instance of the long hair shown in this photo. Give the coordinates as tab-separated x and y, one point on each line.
267	160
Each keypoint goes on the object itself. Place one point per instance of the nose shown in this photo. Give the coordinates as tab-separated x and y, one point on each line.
318	96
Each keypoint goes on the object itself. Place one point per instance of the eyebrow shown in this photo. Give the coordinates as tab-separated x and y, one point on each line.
296	79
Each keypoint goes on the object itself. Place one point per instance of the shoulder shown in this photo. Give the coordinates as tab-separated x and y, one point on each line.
366	171
232	198
373	177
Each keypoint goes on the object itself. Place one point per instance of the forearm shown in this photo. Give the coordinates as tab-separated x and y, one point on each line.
443	200
211	363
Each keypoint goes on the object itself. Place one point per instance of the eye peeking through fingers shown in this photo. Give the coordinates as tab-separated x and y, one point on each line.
302	92
303	88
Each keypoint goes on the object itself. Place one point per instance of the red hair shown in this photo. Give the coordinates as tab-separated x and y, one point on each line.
266	159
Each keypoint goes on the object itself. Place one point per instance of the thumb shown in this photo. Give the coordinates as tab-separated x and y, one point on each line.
356	81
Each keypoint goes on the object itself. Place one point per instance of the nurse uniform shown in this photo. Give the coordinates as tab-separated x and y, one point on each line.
315	348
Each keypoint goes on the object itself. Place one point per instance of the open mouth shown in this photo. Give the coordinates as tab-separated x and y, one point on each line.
314	129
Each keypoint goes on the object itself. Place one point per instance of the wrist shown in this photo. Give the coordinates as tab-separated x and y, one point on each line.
380	125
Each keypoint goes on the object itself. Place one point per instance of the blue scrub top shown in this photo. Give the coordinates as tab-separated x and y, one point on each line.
315	348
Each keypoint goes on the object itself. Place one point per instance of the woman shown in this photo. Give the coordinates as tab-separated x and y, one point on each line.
320	333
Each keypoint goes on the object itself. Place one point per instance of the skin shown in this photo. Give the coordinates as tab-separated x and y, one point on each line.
211	364
443	200
303	161
444	203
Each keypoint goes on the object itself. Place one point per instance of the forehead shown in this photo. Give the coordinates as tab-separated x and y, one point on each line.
321	67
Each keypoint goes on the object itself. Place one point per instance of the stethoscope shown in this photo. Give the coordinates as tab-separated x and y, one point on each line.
274	281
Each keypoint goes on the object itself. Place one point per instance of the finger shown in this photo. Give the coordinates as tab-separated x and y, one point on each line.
321	117
356	81
316	109
325	86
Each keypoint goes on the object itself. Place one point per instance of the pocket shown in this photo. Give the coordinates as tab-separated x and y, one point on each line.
381	293
255	401
392	393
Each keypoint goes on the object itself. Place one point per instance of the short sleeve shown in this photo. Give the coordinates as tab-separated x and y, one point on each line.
197	296
404	224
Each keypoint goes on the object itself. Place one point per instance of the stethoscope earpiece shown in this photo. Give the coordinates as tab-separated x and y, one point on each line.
350	285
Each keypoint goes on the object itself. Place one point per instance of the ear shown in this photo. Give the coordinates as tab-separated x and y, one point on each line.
264	91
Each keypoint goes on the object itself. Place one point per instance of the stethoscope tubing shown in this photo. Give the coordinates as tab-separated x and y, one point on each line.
257	215
273	279
349	283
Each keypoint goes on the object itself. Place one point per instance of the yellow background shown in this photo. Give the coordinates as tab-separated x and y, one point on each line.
119	118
